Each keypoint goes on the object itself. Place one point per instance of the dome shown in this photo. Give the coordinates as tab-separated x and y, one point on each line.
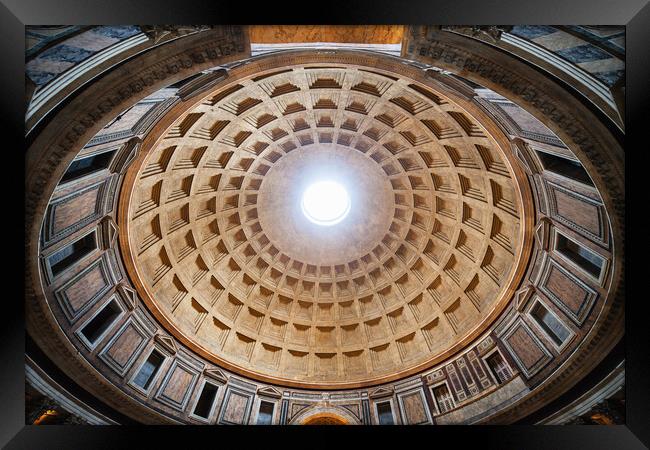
425	259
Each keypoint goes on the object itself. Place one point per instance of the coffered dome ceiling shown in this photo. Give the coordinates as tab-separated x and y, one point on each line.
434	245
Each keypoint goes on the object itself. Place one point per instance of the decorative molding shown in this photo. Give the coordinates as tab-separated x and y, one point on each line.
491	33
601	236
159	32
130	296
108	232
166	391
126	333
269	391
215	374
381	393
49	91
573	70
521	152
542	233
69	295
201	83
167	342
522	296
125	155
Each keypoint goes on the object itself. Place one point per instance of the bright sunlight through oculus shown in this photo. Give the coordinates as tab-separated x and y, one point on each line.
325	203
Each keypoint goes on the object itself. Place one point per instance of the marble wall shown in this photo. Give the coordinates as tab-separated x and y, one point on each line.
52	61
599	50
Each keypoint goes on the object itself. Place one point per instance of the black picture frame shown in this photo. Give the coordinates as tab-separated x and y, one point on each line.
634	14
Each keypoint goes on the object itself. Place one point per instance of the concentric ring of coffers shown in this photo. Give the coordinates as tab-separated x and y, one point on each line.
408	282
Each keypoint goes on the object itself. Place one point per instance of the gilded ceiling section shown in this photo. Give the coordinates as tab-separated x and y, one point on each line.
424	263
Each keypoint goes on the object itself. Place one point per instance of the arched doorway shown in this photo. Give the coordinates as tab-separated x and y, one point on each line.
321	414
325	419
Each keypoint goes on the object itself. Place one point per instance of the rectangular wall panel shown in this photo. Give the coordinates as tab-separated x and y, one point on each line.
527	350
81	292
125	346
68	214
479	370
467	376
236	407
568	292
177	385
579	213
413	408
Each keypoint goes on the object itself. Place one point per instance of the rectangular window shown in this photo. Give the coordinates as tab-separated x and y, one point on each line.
206	400
148	370
265	415
69	255
586	259
94	329
385	413
84	166
443	398
565	167
499	368
550	324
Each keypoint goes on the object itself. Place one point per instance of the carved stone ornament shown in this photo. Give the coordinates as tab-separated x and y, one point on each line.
489	32
129	295
215	374
381	392
522	296
160	32
269	391
167	342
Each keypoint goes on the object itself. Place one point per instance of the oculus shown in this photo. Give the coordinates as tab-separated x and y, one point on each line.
325	203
